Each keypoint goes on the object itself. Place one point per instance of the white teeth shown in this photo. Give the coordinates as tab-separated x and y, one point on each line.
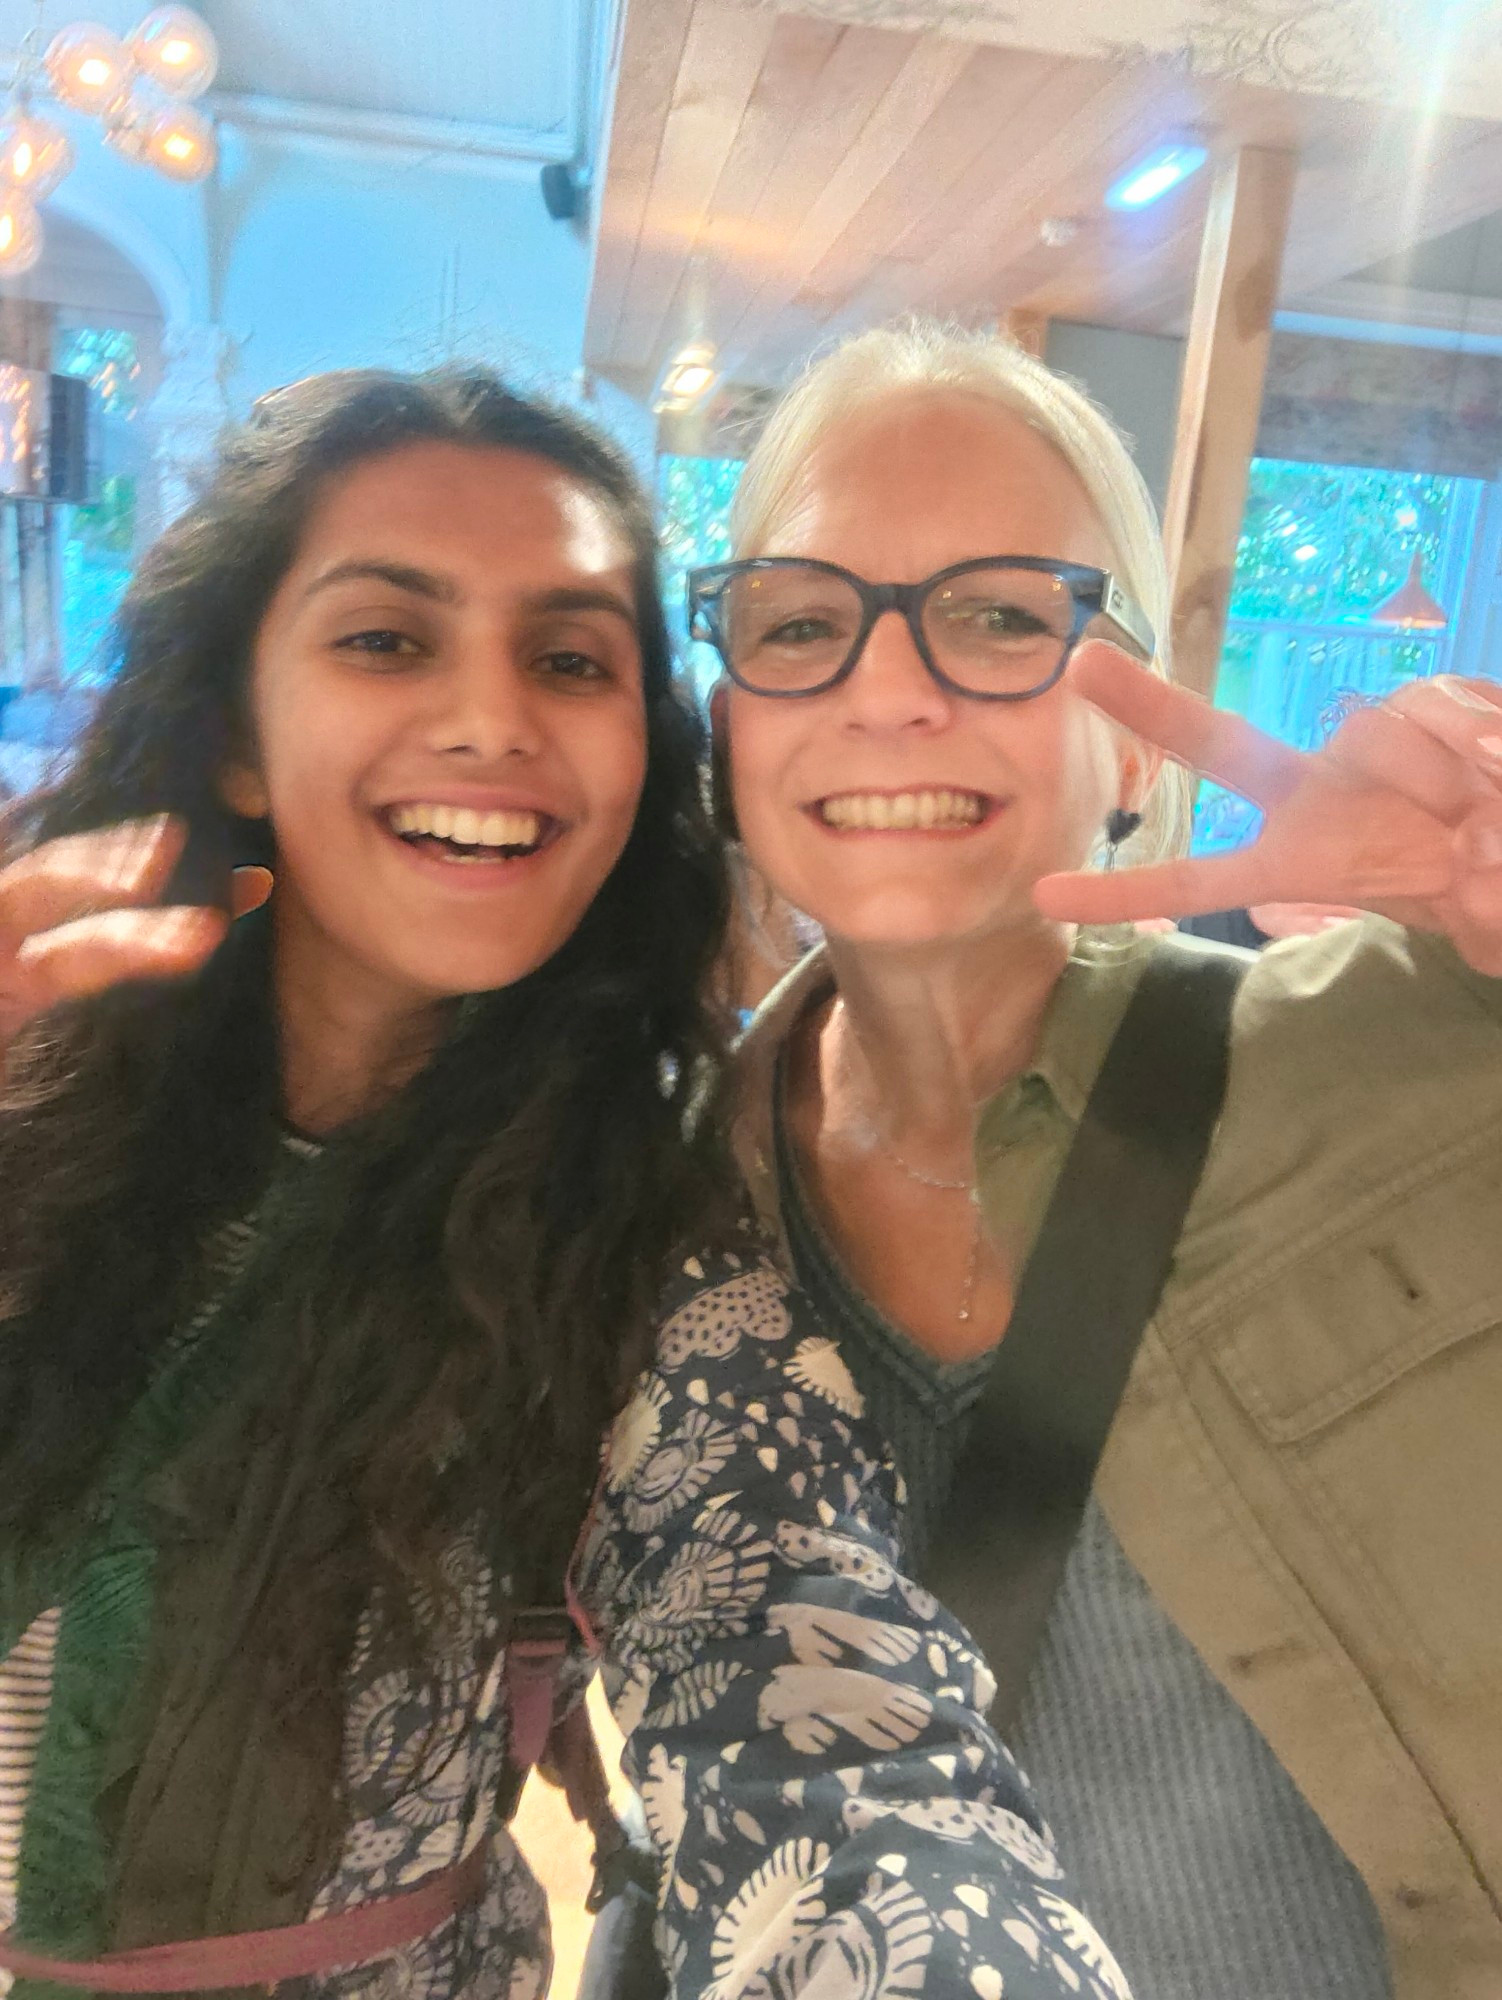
883	812
466	827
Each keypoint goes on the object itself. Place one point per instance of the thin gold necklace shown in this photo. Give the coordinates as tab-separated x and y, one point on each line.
966	1187
972	1261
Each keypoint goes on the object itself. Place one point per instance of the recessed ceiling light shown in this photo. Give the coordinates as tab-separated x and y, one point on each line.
686	380
1152	177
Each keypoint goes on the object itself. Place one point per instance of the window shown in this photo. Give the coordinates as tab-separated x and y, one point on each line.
98	541
694	496
1321	547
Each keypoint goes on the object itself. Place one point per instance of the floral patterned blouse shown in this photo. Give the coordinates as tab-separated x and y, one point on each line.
806	1726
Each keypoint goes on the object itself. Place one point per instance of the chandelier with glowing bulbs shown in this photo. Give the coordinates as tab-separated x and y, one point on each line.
141	89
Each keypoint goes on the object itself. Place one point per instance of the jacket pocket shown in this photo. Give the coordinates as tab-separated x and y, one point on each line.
1407	1280
1372	1369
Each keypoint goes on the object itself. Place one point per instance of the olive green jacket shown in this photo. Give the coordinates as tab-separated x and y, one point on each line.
1307	1465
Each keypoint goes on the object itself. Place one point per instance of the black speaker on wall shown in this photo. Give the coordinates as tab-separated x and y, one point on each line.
70	458
47	437
565	190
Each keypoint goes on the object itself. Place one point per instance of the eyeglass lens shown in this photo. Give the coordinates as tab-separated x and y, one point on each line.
787	630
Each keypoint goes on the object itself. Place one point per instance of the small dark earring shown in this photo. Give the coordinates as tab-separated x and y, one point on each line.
1120	826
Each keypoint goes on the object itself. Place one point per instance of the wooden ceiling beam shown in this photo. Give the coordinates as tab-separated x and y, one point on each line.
816	134
652	36
1220	399
775	179
932	65
922	192
721	60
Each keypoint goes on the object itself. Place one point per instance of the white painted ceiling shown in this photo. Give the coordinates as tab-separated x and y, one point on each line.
518	66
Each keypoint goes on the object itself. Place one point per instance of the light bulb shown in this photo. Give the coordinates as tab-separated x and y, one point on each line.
181	144
87	67
176	50
35	154
20	234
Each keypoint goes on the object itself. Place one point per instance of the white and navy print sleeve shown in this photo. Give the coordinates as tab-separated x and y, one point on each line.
805	1724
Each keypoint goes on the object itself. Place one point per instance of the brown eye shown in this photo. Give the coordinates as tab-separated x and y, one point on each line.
568	665
380	639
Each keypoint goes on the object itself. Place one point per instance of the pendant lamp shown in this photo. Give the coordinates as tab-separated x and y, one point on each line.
1412	607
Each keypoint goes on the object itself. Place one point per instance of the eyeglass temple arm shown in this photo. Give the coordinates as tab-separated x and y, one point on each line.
1122	612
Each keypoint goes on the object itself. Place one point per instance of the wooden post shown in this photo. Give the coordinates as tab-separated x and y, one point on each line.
1220	400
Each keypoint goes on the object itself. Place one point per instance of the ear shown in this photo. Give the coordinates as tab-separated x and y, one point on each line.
243	790
1139	765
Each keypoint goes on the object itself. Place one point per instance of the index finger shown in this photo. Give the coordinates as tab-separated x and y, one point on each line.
1185	888
1210	740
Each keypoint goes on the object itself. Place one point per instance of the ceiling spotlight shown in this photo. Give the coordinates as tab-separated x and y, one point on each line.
687	379
1152	177
176	50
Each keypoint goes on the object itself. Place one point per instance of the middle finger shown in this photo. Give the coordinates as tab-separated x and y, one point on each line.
1385	746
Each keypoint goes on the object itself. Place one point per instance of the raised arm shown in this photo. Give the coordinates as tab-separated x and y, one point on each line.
806	1726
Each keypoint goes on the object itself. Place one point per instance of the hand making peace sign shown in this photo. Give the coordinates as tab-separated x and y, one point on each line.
1399	813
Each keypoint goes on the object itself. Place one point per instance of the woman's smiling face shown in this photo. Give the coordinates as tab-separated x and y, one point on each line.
926	479
448	718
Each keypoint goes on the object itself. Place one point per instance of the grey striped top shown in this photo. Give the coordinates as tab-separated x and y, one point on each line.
1196	1852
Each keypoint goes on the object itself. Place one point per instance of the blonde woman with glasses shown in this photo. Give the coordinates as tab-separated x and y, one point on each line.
1266	1690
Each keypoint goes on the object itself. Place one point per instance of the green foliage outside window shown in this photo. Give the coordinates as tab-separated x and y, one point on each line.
98	542
694	496
1321	547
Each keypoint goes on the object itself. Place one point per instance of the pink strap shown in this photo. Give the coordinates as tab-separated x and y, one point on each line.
262	1958
534	1656
532	1669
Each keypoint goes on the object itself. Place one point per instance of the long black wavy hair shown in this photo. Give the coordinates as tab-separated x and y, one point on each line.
481	1253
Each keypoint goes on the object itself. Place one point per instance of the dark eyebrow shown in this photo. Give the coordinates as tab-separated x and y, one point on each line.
577	597
401	576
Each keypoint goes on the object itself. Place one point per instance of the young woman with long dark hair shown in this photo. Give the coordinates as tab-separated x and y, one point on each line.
328	1261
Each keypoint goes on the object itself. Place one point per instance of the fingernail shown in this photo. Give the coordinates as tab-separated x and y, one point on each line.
1468	697
1489	749
1486	843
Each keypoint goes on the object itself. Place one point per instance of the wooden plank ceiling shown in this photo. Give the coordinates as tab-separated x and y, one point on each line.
771	179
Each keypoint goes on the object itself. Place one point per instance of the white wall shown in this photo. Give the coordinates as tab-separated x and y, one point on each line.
1135	379
324	256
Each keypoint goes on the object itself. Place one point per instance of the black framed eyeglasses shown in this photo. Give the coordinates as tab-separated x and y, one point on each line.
997	628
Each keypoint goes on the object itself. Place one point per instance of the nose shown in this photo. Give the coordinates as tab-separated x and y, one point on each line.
891	688
487	707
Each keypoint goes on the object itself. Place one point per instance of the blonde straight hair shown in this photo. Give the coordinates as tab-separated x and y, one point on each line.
917	354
